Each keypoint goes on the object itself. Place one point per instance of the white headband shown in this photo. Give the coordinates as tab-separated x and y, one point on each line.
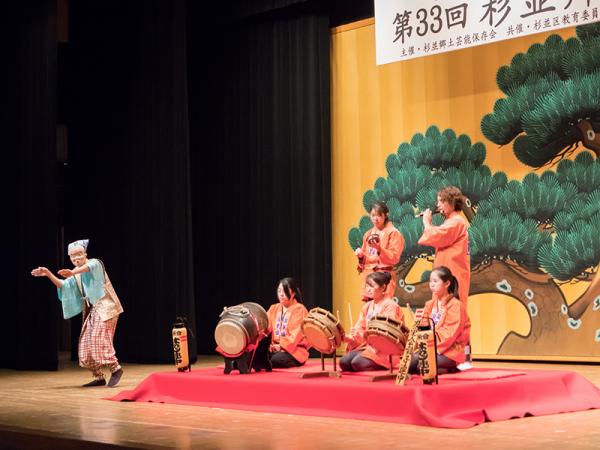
80	243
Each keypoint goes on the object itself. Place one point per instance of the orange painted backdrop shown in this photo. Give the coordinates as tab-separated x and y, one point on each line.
375	108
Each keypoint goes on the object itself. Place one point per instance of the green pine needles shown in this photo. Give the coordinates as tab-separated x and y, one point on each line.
552	99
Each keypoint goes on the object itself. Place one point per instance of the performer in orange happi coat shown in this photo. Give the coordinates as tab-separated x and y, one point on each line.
381	248
360	356
450	239
288	347
452	325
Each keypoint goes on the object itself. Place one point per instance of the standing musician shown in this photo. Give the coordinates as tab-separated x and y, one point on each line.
288	347
452	325
381	248
451	238
360	356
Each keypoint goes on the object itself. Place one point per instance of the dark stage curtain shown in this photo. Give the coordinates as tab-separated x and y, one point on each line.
28	323
129	162
260	139
250	165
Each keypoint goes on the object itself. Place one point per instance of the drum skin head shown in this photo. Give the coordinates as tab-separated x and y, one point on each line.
240	326
318	337
385	344
386	335
322	330
231	337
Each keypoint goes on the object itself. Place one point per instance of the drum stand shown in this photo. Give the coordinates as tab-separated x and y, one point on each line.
388	376
255	357
324	373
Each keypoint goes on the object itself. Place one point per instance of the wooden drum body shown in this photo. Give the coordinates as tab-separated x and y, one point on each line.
322	330
240	327
386	335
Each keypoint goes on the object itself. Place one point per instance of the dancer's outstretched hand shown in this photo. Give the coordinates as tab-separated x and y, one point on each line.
40	272
66	273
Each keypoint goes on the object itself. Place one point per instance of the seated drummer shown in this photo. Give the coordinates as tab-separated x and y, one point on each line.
452	324
288	347
360	356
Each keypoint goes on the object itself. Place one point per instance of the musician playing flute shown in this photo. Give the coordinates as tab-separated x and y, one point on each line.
451	238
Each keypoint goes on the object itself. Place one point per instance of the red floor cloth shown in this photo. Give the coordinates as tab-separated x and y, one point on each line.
453	403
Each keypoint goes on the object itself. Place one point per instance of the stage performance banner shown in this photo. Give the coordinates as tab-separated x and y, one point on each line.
407	29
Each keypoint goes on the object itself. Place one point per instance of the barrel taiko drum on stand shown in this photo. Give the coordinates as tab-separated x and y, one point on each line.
238	335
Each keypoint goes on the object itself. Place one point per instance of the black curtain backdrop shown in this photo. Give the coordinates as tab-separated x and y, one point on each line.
29	323
260	159
129	172
198	162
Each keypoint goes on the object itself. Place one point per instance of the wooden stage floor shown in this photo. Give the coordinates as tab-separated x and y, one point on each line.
48	410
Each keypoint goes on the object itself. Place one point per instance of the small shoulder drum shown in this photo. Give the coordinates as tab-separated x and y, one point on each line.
386	335
322	330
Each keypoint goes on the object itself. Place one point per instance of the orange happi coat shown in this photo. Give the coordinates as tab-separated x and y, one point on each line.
286	329
453	326
451	243
391	247
386	307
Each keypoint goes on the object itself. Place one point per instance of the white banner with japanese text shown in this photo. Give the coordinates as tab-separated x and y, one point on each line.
406	29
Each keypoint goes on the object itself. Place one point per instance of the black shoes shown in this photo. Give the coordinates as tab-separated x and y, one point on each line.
114	378
96	382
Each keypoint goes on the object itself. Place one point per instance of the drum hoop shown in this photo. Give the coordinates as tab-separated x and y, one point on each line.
387	319
325	313
236	310
325	331
333	319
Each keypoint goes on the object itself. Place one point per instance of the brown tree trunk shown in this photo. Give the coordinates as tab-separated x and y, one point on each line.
414	294
403	269
579	306
590	138
555	330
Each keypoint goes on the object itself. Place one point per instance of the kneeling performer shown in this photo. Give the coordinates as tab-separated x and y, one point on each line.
360	356
288	347
452	324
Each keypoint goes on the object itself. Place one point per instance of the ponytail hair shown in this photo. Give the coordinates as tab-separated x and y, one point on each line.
380	278
446	275
290	286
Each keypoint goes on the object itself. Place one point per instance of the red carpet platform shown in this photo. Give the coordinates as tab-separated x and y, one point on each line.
460	400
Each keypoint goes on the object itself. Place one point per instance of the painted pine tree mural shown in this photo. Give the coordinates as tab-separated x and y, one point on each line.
527	237
552	103
416	171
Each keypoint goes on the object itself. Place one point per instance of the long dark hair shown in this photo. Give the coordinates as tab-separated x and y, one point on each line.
290	286
446	275
381	278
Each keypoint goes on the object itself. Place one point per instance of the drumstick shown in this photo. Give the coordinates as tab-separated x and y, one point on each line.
350	314
410	311
338	314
